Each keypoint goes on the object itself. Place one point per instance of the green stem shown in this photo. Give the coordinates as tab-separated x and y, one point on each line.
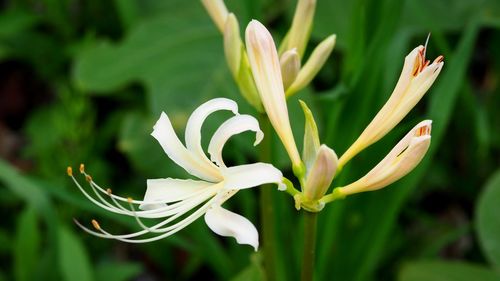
266	204
310	223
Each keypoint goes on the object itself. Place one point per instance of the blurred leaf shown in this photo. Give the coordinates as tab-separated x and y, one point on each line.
427	15
127	12
74	262
26	246
5	242
253	272
117	271
488	220
178	56
15	21
21	187
446	271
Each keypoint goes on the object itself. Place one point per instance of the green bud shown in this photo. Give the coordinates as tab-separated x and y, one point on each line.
233	47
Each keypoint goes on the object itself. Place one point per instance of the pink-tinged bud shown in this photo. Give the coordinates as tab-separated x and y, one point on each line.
321	174
266	70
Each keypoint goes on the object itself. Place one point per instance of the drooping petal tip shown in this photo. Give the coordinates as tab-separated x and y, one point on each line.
227	223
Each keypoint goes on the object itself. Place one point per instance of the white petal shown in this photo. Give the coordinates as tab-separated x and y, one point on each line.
233	126
164	133
195	122
250	175
227	223
170	190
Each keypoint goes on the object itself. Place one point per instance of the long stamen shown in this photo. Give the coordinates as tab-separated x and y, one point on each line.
156	213
157	228
123	199
426	42
172	229
138	220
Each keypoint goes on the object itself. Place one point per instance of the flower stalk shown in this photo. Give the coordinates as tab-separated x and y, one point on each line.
309	254
267	214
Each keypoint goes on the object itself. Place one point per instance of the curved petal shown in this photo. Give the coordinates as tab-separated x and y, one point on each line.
164	133
195	122
227	223
233	126
250	175
170	190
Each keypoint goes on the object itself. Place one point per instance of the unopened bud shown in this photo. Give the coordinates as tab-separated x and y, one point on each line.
290	66
232	44
321	174
313	65
298	35
266	71
217	11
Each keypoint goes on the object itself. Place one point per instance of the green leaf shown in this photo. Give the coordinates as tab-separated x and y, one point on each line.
26	246
446	271
36	197
74	262
117	271
15	21
178	57
488	221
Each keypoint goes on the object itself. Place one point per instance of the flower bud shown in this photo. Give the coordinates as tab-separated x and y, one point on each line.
290	66
298	35
232	44
237	61
266	70
217	11
313	65
321	173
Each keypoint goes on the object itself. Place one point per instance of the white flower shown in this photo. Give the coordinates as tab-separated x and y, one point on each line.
173	199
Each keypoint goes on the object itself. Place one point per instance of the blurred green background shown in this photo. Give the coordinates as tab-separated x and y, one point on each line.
84	81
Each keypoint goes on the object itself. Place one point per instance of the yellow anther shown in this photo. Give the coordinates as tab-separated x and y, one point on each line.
69	170
109	191
82	168
96	225
88	178
129	199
